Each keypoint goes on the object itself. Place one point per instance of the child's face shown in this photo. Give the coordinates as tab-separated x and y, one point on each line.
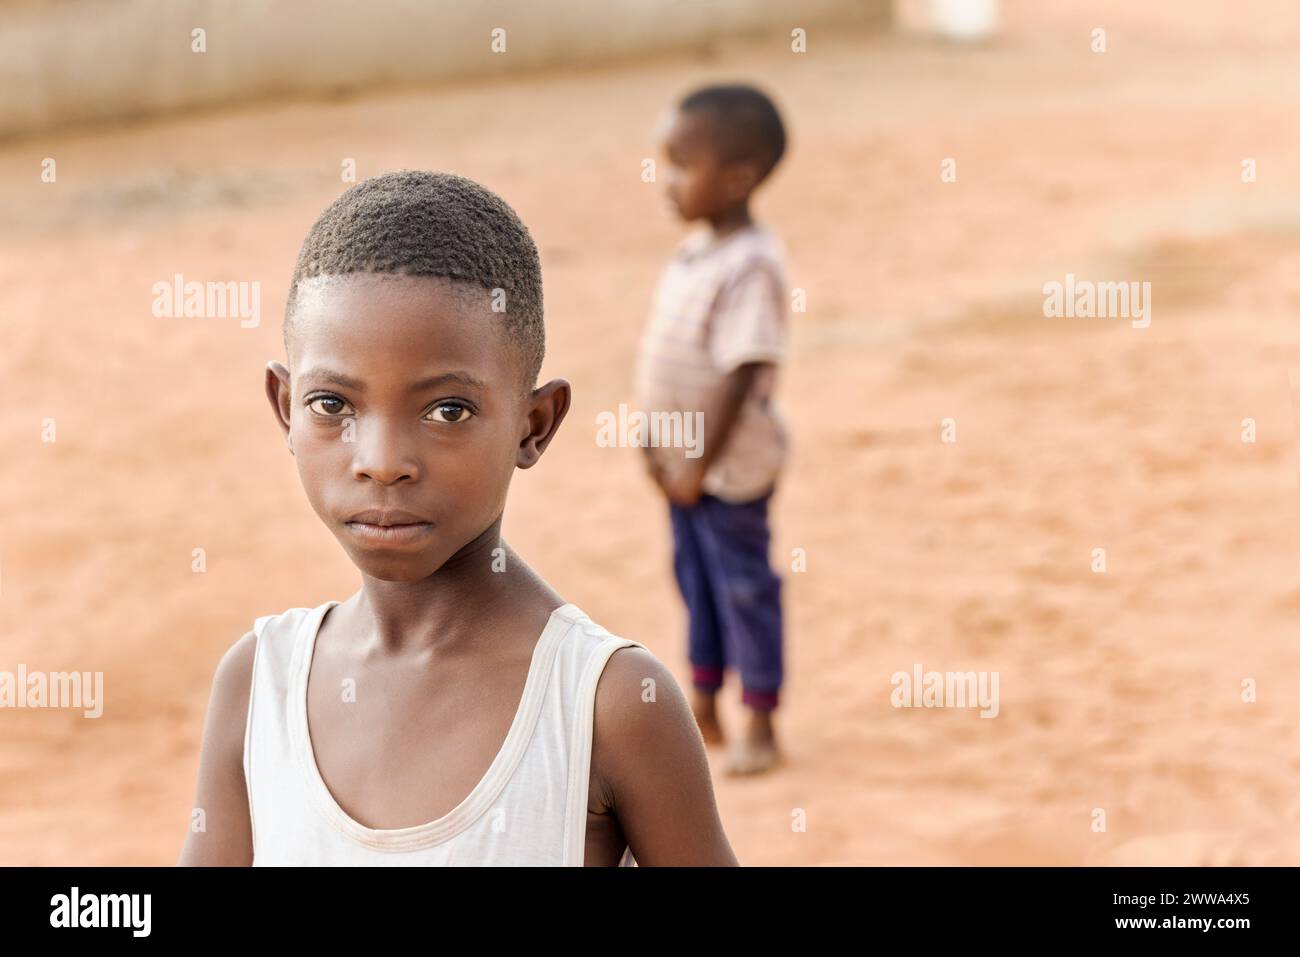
407	402
700	184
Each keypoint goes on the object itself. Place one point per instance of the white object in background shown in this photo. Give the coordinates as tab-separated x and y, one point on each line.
964	19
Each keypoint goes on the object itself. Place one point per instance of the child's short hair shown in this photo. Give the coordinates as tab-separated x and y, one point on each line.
749	126
421	223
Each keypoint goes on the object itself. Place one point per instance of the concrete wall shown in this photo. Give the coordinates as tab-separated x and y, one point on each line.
70	62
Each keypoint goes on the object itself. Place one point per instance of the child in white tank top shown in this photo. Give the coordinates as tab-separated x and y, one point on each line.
550	730
455	710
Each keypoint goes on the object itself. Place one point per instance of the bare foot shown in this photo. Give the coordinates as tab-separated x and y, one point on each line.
704	707
756	752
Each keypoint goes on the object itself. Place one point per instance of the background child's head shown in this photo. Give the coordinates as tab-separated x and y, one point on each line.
721	142
414	334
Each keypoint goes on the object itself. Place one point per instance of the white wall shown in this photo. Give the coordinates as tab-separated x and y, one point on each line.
68	62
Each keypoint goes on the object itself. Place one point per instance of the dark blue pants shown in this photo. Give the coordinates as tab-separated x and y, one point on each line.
733	597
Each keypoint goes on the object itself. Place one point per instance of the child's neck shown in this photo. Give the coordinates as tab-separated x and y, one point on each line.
729	221
470	593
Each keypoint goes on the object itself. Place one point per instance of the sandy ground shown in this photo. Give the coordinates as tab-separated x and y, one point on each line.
1119	691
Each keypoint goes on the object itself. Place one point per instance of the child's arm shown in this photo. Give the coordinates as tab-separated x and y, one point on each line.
684	480
226	838
650	757
652	466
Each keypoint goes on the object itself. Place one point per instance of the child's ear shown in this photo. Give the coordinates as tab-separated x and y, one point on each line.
741	179
277	391
547	408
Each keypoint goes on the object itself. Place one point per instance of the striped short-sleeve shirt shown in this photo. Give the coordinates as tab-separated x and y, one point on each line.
720	304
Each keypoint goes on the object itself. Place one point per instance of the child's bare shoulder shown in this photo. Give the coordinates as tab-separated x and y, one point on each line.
641	715
231	683
633	676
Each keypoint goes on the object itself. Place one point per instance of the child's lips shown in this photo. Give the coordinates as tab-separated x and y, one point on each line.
389	534
388	527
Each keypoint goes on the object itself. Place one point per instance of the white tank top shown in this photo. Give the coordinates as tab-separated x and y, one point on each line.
530	808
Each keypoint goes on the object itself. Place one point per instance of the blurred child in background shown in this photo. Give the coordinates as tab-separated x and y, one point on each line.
712	346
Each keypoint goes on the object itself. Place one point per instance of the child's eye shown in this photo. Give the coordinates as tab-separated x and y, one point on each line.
449	412
328	405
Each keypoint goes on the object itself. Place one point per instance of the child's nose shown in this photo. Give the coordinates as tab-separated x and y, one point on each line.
383	454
